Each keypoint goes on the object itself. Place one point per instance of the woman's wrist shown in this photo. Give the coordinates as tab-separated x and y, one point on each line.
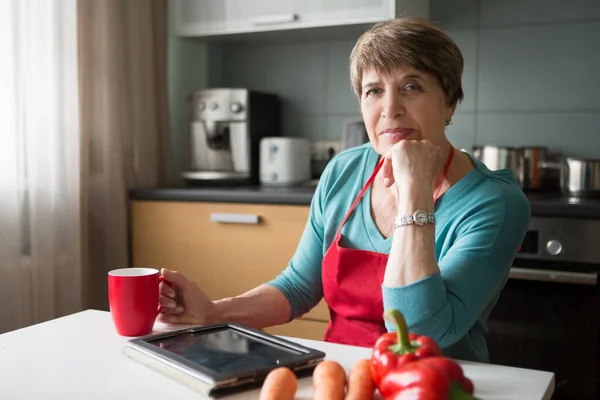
214	311
414	196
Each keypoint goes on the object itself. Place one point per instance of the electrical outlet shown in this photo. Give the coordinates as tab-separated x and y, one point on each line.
324	150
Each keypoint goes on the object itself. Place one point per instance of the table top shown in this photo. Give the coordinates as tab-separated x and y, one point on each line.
80	357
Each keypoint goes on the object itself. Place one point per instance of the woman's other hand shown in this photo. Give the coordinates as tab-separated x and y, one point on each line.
182	302
411	162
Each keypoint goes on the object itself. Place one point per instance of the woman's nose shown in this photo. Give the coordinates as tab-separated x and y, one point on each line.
392	106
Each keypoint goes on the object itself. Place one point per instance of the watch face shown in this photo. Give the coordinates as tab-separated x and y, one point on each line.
420	218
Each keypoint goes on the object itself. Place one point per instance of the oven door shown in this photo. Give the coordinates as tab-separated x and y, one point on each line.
547	319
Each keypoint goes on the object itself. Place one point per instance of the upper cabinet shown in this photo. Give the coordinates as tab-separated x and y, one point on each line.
205	18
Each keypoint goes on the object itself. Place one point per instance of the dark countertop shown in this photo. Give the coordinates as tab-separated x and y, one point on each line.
542	204
556	205
301	195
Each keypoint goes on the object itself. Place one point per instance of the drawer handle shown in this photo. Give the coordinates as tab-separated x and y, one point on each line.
274	19
576	278
235	218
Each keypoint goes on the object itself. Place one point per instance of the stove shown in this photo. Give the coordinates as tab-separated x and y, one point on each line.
548	315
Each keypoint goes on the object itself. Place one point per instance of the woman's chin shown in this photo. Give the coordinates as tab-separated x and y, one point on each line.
383	148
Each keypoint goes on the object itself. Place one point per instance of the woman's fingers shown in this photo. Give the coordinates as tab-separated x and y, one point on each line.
172	311
169	306
166	302
387	171
167	318
166	290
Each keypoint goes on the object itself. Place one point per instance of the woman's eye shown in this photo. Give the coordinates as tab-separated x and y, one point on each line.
371	92
411	87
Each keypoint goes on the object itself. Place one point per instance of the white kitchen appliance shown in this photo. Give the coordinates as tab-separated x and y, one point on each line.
284	161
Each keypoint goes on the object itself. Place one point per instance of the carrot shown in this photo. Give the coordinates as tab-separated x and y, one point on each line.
329	381
280	384
360	383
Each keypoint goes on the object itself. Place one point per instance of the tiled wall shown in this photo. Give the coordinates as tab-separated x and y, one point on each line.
532	75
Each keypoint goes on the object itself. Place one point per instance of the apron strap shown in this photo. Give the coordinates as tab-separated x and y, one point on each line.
361	194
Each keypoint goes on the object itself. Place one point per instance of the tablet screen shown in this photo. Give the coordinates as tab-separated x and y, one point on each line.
225	350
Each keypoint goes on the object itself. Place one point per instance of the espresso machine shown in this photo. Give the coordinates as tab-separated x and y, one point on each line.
225	129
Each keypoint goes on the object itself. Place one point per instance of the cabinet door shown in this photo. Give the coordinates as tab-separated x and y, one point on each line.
253	16
227	17
299	328
342	12
198	18
224	259
221	17
261	15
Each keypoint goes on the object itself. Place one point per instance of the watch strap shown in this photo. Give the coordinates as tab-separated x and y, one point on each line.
419	218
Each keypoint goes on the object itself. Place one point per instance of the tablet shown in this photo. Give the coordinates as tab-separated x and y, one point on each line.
221	357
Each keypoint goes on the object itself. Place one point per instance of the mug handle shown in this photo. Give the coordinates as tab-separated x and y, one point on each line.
170	284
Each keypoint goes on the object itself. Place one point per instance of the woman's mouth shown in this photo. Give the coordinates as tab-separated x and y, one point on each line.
396	134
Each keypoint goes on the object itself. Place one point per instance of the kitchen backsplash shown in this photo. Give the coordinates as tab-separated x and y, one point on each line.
531	75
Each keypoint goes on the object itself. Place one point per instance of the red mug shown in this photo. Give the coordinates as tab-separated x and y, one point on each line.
133	299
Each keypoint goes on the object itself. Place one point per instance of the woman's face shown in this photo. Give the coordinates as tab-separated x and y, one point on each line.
404	104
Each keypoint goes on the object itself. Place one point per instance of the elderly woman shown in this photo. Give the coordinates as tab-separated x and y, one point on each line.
405	221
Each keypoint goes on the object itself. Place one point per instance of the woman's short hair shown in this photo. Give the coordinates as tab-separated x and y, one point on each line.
413	42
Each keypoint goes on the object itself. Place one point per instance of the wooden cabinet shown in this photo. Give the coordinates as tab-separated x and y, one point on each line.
227	249
194	18
301	328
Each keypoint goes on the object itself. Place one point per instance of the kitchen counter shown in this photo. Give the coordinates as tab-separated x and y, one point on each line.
556	205
80	357
542	204
299	195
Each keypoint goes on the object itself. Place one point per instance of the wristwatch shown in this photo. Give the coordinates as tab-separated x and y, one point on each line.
418	218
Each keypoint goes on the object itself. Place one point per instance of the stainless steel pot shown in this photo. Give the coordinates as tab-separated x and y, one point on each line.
534	177
579	177
523	161
497	157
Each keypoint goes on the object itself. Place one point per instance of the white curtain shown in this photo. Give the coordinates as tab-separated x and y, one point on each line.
40	226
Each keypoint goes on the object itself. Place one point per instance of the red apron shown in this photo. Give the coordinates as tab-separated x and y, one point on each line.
352	282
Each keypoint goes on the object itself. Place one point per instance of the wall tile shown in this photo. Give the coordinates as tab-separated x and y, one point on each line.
455	14
462	131
214	66
540	68
307	126
575	134
335	126
511	12
467	43
184	77
296	72
340	97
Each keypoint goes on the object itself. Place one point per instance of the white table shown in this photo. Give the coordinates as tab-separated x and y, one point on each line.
80	357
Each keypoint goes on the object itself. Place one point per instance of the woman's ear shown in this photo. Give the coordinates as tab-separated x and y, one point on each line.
452	110
450	114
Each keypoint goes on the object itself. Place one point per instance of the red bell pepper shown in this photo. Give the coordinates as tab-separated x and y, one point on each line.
453	370
434	378
395	349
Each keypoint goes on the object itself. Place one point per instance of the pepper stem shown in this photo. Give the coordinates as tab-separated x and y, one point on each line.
404	345
457	393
